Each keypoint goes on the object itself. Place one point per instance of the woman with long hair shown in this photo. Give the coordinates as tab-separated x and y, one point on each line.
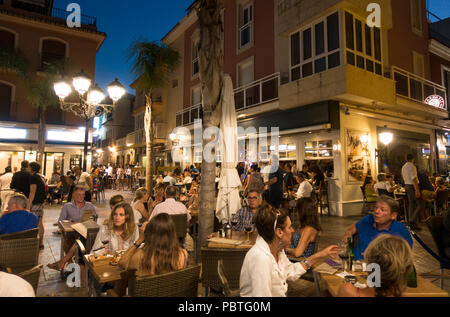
394	256
304	238
161	252
140	212
120	230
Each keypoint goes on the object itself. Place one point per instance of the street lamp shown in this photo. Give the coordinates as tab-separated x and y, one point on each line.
90	107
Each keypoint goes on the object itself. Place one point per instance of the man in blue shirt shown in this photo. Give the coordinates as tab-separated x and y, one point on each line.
381	222
74	210
17	219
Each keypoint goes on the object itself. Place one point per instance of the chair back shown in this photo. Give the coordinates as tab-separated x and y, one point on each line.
19	254
180	225
436	226
232	264
181	283
32	276
441	197
31	233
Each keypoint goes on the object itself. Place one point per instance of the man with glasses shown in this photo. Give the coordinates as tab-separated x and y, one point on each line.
244	216
381	222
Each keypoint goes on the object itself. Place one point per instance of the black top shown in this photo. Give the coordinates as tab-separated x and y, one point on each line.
39	197
276	189
289	180
21	183
424	182
240	170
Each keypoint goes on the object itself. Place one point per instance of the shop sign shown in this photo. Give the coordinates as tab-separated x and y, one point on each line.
435	101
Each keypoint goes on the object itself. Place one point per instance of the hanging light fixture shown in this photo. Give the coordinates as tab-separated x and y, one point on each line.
116	90
81	82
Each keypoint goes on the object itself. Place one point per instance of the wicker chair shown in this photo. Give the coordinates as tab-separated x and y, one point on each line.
227	292
19	254
181	283
32	276
232	264
31	233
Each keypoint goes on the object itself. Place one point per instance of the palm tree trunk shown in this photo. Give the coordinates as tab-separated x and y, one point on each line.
149	142
211	76
41	138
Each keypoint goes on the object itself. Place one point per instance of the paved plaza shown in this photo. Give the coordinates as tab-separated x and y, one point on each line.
50	283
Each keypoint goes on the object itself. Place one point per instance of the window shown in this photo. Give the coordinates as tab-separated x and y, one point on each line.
7	40
245	73
195	57
52	51
416	16
196	96
446	82
363	44
318	149
418	64
245	25
286	151
315	48
6	94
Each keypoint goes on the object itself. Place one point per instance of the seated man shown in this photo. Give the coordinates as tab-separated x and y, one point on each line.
169	179
16	218
74	210
304	189
244	216
170	205
382	221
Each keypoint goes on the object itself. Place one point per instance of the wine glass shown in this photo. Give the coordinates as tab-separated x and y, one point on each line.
105	243
343	255
248	229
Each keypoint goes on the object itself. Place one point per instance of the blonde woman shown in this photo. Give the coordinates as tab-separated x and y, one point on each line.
139	210
161	252
394	256
120	231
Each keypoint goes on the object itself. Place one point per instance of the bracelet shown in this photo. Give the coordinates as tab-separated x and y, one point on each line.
308	266
137	245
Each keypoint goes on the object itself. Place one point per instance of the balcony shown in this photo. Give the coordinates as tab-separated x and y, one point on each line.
415	88
120	143
160	131
259	92
187	116
136	138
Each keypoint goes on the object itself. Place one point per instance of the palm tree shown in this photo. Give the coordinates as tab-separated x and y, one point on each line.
40	92
211	77
152	64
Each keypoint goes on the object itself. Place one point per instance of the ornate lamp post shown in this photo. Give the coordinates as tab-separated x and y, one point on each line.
89	107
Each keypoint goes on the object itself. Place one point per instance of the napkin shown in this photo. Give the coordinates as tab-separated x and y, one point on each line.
325	268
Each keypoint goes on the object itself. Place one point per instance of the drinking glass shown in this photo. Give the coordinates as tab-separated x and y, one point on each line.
343	255
248	229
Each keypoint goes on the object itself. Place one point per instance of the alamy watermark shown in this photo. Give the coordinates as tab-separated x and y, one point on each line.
74	18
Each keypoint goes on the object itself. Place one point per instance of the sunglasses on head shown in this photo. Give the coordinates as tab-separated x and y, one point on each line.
276	212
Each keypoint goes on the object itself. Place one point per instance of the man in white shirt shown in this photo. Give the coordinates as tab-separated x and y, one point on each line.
5	181
169	179
85	180
170	205
409	174
14	286
304	189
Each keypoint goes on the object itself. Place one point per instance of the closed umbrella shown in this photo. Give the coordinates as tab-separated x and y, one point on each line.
228	199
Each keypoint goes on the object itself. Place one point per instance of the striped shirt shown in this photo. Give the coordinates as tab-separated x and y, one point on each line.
243	218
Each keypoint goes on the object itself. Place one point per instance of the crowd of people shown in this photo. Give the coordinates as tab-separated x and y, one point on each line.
272	195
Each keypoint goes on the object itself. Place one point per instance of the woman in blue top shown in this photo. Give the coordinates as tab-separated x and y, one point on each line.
304	238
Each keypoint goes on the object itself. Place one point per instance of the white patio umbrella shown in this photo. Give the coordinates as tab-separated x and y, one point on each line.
228	200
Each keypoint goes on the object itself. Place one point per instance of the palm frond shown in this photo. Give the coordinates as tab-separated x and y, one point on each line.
14	61
152	63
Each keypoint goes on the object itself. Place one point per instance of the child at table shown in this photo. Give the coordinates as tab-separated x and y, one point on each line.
394	257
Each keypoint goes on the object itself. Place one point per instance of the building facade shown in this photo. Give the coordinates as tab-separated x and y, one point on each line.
40	32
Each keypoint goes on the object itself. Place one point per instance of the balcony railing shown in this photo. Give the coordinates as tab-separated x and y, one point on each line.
188	115
415	87
258	92
63	14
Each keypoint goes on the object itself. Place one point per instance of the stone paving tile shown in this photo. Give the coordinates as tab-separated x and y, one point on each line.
50	283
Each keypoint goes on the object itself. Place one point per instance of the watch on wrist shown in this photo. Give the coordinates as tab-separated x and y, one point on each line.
308	266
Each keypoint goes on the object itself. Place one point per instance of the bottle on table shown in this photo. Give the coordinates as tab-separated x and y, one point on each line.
412	278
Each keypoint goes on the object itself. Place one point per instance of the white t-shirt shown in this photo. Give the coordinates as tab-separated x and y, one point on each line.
169	179
409	172
5	181
382	185
187	180
13	286
304	189
83	180
109	171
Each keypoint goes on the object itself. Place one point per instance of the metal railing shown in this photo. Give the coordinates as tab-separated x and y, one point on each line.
414	87
258	92
63	14
188	115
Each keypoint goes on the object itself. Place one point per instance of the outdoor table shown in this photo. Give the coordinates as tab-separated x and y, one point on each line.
102	273
66	232
236	236
424	287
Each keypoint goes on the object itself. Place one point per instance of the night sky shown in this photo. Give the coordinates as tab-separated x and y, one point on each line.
126	21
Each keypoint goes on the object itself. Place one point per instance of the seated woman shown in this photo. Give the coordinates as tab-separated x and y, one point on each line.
140	212
266	267
303	239
120	230
394	256
369	190
161	252
59	265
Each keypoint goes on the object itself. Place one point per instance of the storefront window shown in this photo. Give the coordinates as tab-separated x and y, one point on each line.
319	149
